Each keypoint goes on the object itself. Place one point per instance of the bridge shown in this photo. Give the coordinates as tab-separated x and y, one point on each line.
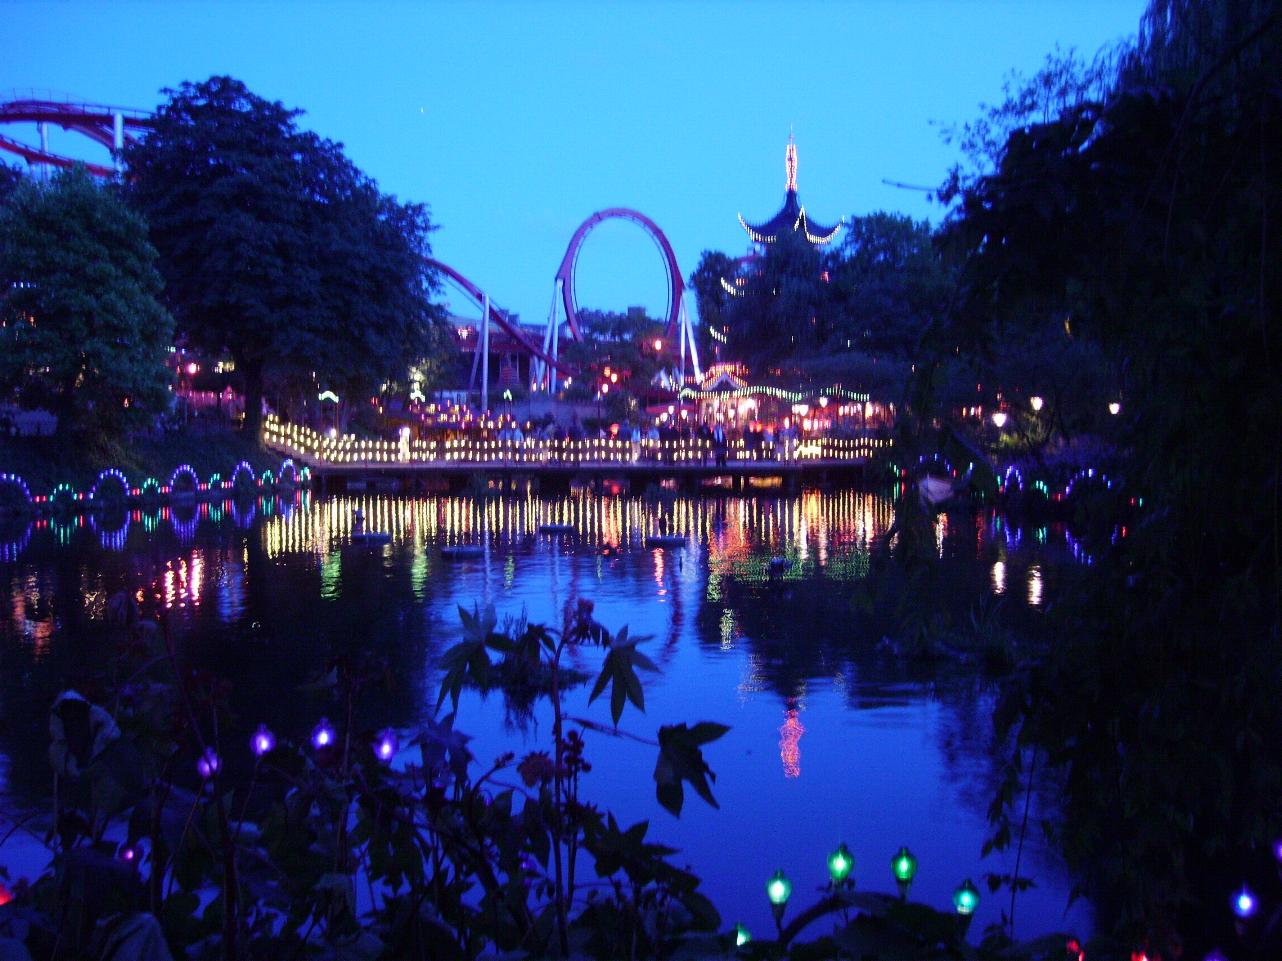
346	459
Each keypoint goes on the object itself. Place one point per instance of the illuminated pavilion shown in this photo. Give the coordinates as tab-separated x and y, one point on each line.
792	215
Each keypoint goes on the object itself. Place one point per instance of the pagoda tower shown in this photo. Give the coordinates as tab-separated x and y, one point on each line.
792	215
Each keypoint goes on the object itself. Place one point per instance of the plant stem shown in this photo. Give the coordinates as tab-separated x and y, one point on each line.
1019	850
563	935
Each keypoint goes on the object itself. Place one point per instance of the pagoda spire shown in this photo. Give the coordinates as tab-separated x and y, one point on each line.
790	162
791	216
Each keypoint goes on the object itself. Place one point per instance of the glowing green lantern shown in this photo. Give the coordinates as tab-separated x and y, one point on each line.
840	863
741	936
966	898
778	889
904	866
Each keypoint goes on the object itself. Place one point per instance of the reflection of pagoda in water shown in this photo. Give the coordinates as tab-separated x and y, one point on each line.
790	739
792	215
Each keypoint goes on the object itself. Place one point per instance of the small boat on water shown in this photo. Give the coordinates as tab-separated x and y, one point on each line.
462	552
360	535
666	540
556	528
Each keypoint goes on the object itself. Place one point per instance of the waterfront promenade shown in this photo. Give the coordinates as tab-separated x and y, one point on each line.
692	460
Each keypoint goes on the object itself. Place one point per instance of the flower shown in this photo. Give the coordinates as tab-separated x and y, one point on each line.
386	744
322	734
208	763
263	741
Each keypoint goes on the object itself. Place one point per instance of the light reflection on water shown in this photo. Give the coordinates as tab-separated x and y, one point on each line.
752	624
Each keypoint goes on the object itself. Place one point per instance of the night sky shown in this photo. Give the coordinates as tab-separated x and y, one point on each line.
514	122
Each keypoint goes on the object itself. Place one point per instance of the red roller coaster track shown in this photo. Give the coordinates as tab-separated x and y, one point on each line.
497	314
95	121
565	273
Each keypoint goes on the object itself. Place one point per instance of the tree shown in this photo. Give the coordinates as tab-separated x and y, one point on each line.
785	308
623	344
374	317
275	248
887	283
10	177
1143	224
83	331
1065	81
712	300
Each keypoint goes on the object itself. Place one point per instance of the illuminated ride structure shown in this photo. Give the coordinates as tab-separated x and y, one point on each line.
518	340
565	303
112	127
545	362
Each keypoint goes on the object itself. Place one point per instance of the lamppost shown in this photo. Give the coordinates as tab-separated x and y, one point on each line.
965	900
904	866
840	863
778	890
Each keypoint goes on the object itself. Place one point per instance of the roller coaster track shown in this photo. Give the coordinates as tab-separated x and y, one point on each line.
497	314
111	127
565	273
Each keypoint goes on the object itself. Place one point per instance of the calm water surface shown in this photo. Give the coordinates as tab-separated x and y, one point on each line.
832	737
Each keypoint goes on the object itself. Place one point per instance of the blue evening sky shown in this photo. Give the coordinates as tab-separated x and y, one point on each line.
514	122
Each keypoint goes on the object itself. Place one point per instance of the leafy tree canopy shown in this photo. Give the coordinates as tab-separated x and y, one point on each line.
887	284
274	247
10	177
1145	226
874	293
1064	81
83	331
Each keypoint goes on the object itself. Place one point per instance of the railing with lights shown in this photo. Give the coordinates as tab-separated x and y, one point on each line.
112	488
347	451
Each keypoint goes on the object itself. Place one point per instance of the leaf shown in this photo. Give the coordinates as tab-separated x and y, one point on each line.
680	759
706	917
132	937
619	671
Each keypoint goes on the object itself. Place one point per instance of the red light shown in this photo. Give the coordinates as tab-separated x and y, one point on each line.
5	895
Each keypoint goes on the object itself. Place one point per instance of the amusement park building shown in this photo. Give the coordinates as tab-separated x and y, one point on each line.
792	215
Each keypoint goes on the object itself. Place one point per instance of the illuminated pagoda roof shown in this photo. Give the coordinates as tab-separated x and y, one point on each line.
792	216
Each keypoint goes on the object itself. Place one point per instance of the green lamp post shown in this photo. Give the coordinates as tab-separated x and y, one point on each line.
904	867
966	900
840	863
778	890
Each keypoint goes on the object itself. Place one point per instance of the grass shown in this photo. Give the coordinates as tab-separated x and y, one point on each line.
44	462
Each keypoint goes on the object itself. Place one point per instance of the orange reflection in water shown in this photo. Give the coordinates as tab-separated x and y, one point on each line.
790	742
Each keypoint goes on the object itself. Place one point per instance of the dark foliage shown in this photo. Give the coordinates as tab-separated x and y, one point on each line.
1145	225
82	332
276	249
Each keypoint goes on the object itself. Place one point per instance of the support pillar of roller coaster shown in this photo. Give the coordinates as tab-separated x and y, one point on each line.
542	375
687	341
42	128
118	141
485	355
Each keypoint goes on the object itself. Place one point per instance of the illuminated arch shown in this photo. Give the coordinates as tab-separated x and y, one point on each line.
181	473
243	482
565	273
110	485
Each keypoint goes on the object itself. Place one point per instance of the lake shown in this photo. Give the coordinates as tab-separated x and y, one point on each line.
834	737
